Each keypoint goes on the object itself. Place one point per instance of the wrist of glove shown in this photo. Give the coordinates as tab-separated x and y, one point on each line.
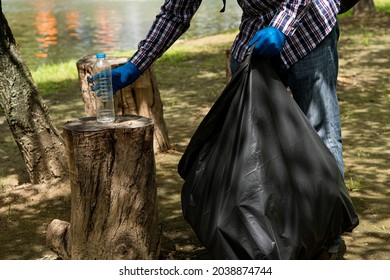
124	75
268	42
121	77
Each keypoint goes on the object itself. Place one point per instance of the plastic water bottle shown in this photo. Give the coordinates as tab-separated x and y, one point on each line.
105	112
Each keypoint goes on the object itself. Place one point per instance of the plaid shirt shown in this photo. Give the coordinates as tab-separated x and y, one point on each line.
304	22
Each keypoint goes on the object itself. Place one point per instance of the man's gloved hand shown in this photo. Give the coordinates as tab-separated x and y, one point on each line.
124	76
268	42
121	76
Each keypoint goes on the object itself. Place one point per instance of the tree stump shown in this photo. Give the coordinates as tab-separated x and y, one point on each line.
113	193
140	98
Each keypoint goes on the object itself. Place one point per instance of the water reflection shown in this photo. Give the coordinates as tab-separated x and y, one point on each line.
72	19
107	31
46	26
54	30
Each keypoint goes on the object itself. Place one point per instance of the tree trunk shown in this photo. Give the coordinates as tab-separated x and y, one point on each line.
364	7
227	66
28	118
113	193
141	98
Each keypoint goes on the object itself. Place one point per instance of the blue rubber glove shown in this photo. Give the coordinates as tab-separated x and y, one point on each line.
121	76
124	76
268	42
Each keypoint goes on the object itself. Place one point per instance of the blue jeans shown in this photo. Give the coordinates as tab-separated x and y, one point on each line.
312	82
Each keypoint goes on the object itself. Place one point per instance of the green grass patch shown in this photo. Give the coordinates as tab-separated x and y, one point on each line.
382	5
176	56
353	184
51	78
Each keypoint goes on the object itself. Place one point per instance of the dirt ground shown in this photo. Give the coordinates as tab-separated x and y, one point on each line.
364	94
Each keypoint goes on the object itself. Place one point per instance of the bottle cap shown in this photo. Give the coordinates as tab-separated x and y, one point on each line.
101	55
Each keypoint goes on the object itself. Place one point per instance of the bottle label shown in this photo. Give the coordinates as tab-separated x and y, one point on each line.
104	86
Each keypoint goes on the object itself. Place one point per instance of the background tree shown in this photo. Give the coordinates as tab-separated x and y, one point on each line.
364	7
37	138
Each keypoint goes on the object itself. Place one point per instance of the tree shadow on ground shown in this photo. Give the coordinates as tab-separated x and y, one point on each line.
364	87
25	214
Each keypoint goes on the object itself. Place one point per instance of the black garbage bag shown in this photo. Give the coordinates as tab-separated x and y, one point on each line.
259	183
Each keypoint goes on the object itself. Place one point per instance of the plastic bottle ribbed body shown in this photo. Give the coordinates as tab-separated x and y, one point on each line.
105	112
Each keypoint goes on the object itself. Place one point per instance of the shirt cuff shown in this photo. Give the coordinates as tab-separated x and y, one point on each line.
142	62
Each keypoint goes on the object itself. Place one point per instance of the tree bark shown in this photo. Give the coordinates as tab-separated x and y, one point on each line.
37	138
364	7
227	66
141	98
113	193
57	238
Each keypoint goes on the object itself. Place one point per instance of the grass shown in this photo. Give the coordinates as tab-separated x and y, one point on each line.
51	78
353	184
382	5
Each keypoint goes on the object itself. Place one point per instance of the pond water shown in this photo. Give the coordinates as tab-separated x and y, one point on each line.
54	30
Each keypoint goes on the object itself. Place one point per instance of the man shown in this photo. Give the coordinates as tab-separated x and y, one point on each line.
299	36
